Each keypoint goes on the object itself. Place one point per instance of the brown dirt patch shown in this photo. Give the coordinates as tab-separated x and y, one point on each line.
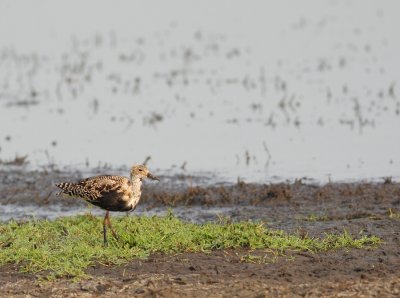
224	273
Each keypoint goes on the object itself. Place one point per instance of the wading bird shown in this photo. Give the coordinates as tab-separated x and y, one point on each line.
112	193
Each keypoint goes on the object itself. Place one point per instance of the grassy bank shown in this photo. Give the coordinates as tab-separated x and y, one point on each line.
67	246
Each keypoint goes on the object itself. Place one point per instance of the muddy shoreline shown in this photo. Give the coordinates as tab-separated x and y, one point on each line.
360	208
219	274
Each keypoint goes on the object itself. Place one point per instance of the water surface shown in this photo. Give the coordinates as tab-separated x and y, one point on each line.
264	91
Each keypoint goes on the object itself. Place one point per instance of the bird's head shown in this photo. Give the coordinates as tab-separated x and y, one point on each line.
141	171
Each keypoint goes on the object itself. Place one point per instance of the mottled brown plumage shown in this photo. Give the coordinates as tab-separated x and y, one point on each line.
112	193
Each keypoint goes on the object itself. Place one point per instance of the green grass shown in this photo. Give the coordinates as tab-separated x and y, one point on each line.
394	214
313	218
67	246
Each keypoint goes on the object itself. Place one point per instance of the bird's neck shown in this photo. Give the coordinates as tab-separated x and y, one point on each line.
136	190
136	180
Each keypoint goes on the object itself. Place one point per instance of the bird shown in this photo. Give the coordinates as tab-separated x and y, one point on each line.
109	192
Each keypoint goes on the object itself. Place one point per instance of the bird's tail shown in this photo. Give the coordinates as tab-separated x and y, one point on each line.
67	188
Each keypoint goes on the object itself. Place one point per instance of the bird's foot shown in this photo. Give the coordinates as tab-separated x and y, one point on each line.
115	235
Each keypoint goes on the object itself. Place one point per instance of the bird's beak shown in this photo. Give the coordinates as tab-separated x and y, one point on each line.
152	177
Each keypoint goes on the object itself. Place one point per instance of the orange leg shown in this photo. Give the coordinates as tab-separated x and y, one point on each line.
105	230
107	219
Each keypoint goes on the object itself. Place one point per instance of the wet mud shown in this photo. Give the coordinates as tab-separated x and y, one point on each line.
226	273
361	208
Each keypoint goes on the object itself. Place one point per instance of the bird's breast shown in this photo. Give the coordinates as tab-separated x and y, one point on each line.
132	195
133	200
132	192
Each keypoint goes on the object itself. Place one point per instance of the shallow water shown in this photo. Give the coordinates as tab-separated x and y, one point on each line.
266	92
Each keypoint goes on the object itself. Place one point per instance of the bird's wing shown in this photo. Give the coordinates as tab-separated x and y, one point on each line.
95	188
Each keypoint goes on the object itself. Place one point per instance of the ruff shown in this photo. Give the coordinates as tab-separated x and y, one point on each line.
112	193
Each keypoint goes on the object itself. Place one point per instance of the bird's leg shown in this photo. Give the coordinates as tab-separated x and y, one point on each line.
110	226
105	229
